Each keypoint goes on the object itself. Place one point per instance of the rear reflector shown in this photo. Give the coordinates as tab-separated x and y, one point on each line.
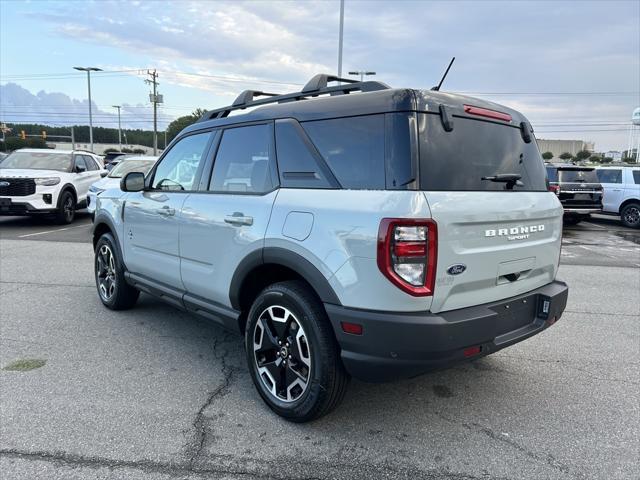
352	328
555	189
485	112
472	351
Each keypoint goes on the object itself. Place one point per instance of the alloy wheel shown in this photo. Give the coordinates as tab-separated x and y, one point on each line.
632	215
282	353
68	208
106	272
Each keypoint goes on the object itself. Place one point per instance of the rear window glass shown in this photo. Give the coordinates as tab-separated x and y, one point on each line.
578	176
353	148
636	177
458	160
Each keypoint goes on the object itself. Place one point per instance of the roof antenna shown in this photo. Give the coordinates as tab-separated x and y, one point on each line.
437	88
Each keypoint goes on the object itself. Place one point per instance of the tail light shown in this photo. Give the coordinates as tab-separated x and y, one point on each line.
554	188
407	253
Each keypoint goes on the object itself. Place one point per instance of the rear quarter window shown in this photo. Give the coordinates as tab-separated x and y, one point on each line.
636	177
353	148
459	159
609	176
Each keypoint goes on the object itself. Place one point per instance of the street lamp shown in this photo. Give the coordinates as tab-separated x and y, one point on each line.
119	128
89	70
362	74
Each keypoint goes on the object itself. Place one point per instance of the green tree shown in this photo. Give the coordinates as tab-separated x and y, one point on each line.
583	154
181	123
14	143
547	155
565	156
595	159
607	159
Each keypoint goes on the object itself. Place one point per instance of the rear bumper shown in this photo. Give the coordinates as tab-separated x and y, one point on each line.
582	211
400	345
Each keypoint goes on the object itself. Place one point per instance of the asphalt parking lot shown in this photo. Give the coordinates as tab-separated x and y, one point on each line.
155	393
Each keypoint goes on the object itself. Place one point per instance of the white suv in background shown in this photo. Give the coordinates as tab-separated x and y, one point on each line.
621	193
42	181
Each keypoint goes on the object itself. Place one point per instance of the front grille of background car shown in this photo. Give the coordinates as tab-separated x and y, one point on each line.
18	187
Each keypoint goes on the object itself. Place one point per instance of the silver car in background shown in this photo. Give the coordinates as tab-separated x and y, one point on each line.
131	164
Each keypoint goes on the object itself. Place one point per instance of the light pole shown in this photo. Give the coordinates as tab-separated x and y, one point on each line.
362	74
119	128
89	70
340	38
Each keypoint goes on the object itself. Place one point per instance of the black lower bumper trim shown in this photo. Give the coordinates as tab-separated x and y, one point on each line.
401	345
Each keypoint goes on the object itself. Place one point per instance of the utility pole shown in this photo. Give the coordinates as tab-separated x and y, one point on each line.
73	139
155	99
89	70
362	74
119	128
340	38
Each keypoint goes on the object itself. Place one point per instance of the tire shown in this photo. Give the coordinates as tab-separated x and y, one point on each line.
66	208
571	219
113	290
630	215
314	381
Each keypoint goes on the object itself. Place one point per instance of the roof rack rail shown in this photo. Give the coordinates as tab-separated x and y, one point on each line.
314	87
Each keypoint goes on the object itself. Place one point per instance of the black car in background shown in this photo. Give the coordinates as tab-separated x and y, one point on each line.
577	188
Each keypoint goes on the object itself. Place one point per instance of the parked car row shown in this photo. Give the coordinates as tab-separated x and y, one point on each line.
56	182
586	190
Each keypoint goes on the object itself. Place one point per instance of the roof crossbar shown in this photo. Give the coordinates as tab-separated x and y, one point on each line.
314	87
248	95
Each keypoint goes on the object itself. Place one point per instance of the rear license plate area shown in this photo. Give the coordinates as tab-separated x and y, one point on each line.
516	314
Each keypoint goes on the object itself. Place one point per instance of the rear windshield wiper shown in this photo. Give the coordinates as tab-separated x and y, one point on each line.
511	179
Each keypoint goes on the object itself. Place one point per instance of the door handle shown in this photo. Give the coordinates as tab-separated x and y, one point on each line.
166	211
238	219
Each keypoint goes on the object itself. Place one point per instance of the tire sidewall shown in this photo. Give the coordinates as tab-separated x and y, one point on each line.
624	211
305	316
107	239
61	213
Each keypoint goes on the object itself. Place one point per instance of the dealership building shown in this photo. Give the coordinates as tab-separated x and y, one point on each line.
558	147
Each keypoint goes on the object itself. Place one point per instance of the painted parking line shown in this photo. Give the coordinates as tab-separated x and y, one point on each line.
51	231
596	225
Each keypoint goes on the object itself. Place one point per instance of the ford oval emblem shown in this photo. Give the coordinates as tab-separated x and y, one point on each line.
456	269
4	184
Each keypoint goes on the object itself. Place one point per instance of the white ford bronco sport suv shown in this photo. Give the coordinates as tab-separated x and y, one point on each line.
42	181
350	230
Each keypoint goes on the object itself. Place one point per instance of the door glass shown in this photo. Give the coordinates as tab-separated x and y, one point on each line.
80	164
91	165
177	169
242	162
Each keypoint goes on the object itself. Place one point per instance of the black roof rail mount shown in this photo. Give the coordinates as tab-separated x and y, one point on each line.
248	95
314	87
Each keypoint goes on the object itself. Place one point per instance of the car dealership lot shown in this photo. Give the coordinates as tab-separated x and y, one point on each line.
157	393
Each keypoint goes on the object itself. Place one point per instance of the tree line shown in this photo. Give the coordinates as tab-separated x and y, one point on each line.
584	155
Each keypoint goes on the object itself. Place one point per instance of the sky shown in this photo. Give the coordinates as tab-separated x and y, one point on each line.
572	67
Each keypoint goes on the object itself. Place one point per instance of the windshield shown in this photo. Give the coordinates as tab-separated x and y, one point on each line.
458	160
38	161
578	176
122	168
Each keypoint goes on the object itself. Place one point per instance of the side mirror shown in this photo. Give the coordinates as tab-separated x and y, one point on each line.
104	173
81	169
132	182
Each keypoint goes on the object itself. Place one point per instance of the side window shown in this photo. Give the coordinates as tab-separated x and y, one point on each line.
91	164
609	176
79	162
552	174
353	148
636	177
296	161
177	169
242	161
